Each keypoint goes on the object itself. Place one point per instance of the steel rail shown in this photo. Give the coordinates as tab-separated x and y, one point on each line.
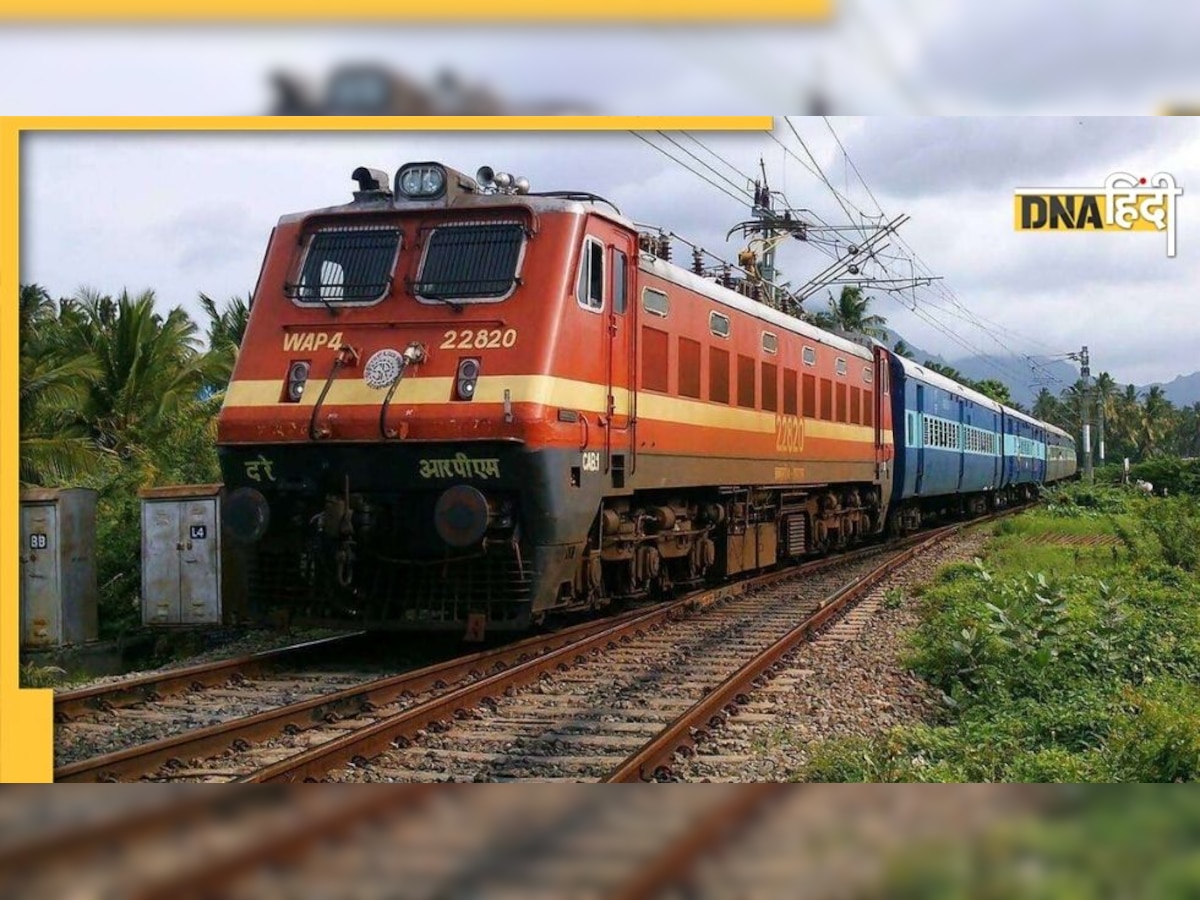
143	759
361	744
672	865
156	685
652	760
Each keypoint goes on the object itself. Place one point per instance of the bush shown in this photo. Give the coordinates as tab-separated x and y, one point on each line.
1175	475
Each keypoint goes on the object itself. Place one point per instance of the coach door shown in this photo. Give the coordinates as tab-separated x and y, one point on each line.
621	322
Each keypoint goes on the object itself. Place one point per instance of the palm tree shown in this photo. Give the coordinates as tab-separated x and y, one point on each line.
149	367
52	385
1127	422
902	349
1047	408
1104	392
226	329
1157	421
996	389
848	313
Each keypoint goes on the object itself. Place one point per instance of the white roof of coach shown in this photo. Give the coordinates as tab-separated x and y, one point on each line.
947	384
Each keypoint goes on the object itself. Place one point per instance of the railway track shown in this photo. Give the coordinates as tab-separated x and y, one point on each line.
614	706
72	705
451	721
426	842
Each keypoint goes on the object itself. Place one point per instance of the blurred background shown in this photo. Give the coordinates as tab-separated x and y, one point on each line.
873	57
820	841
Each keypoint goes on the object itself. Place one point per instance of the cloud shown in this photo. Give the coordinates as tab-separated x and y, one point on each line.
187	213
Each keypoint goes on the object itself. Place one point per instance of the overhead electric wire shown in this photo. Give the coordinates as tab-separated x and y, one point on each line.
741	200
934	287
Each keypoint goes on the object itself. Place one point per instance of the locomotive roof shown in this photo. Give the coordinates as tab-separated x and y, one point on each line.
947	384
721	294
467	202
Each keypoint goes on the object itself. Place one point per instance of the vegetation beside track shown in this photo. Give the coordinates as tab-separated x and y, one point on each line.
1131	842
1070	653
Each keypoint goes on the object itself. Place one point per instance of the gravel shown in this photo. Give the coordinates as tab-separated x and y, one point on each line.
850	682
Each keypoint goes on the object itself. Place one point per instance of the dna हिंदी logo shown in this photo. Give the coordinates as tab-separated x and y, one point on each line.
1125	203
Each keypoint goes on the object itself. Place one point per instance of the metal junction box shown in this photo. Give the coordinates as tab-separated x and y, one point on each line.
181	555
58	567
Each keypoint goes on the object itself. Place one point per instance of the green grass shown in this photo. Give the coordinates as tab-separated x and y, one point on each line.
1056	662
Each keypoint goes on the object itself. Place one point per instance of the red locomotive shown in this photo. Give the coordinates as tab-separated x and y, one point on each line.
461	404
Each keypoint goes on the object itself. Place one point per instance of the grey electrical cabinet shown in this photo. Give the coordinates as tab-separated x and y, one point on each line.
181	555
58	567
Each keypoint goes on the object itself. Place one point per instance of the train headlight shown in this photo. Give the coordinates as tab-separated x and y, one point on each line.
421	181
297	377
468	374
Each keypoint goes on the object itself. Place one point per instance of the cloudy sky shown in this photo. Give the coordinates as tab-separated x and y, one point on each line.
188	213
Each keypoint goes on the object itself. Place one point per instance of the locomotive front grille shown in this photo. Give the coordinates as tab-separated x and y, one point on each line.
405	595
444	593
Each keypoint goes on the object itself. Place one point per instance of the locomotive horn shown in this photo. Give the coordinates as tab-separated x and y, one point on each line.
485	176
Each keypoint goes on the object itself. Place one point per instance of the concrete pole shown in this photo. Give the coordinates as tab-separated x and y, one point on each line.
1085	373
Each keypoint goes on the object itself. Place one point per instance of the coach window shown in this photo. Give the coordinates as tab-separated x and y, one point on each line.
347	267
810	356
718	324
840	366
655	302
770	343
620	278
590	291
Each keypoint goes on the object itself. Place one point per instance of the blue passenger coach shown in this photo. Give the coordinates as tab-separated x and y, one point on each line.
948	441
1024	452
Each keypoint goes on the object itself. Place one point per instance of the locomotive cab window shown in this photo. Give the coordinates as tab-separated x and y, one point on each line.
590	290
348	266
474	262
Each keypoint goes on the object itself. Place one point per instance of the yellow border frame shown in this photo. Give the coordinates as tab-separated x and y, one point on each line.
74	11
26	722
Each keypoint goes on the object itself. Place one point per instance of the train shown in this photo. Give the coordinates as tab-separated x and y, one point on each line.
463	405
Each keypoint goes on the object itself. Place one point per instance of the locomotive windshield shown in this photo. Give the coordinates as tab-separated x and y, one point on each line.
471	262
348	265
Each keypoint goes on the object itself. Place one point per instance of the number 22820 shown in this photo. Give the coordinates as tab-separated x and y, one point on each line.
481	339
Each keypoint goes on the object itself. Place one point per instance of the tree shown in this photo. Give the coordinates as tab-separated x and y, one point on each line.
996	389
902	349
52	385
226	329
150	369
1157	422
1047	407
849	313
